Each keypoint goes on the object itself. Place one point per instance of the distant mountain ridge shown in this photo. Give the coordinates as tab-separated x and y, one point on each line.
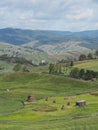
51	42
19	36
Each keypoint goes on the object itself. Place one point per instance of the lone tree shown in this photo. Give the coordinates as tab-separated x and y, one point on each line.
51	68
71	63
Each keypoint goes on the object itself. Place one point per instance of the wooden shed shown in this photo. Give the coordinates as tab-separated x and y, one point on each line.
81	103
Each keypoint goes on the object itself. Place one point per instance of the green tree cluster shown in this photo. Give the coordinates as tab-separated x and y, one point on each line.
86	57
89	56
55	69
83	74
59	68
82	57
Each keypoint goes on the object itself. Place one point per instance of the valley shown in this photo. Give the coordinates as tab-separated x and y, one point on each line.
40	64
40	45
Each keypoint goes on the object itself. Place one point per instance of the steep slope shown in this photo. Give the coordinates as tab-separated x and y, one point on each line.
18	51
60	48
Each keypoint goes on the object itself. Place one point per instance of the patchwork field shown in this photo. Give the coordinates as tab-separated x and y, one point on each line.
16	113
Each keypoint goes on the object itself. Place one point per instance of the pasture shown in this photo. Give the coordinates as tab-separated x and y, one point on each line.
89	64
16	113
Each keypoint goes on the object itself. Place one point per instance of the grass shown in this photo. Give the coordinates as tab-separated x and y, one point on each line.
7	67
90	64
22	84
9	105
28	118
40	115
77	124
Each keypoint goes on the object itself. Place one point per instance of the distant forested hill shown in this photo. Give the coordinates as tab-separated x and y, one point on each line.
51	42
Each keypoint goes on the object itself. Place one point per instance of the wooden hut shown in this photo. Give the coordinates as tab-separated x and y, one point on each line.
68	103
54	101
81	103
31	98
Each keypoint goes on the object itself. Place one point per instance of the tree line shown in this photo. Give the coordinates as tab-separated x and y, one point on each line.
83	74
89	56
59	68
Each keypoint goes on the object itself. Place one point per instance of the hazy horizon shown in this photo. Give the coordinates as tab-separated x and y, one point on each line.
48	30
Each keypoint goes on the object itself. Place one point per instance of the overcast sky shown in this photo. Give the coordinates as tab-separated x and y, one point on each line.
67	15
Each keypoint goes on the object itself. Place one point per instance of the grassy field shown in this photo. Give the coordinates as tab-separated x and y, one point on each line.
42	115
90	64
90	123
7	67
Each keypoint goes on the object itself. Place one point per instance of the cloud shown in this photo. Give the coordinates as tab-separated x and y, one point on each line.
96	1
80	15
49	14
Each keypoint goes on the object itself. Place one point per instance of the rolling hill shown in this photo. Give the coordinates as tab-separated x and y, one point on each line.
47	45
15	87
34	55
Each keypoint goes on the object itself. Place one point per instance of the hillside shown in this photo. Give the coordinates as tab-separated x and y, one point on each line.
52	42
87	65
41	114
34	55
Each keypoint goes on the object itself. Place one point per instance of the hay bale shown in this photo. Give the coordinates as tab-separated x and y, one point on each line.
69	103
54	101
31	98
63	107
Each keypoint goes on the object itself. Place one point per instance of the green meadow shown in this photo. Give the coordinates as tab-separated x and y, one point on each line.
89	64
7	67
16	113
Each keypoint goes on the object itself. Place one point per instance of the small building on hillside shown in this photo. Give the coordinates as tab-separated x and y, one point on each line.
31	98
81	103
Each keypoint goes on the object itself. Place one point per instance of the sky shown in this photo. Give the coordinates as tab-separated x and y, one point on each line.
65	15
